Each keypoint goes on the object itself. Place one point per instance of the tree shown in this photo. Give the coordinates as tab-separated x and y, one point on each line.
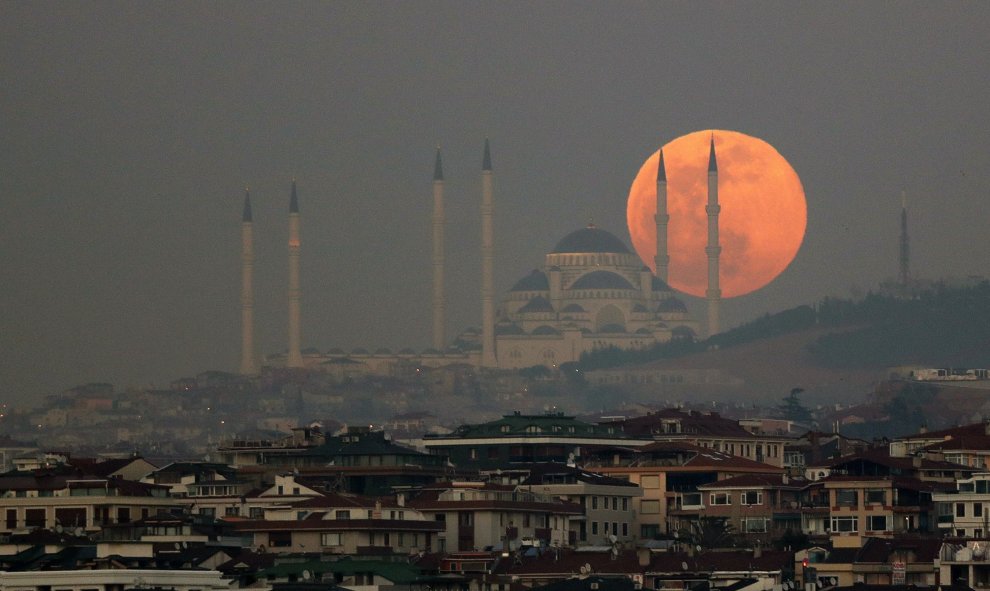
709	532
792	409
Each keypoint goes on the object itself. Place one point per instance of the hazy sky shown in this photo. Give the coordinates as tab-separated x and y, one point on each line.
129	131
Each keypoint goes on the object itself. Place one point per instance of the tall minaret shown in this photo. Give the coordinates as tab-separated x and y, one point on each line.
488	358
439	302
248	363
713	294
905	275
295	354
662	260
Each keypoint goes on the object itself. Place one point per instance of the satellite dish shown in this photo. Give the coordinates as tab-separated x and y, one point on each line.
833	581
612	538
177	545
583	570
306	575
684	566
58	528
587	567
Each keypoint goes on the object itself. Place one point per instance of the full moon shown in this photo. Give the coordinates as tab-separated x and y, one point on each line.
762	220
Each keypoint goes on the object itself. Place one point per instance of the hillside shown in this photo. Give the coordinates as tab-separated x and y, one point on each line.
769	368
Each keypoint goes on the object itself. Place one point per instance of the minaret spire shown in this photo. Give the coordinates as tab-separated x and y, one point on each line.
488	354
905	271
439	301
249	364
295	352
661	262
713	294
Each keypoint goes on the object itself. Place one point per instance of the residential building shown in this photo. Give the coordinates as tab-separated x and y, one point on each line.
669	472
478	515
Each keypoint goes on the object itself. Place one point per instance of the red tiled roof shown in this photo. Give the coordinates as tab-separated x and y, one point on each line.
258	525
757	481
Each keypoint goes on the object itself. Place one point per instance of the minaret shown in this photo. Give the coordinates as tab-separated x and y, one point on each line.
439	303
488	358
248	363
295	354
905	276
713	294
662	260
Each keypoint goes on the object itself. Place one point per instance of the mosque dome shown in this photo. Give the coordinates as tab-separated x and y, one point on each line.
659	284
672	304
537	304
601	280
590	239
535	281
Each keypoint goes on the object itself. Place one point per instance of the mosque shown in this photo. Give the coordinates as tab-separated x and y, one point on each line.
591	293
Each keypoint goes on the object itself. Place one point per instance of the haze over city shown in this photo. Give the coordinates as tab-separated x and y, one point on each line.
131	132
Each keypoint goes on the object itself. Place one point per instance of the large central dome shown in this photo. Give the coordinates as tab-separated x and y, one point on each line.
590	239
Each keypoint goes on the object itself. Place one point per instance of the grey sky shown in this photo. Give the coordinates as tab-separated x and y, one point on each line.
129	131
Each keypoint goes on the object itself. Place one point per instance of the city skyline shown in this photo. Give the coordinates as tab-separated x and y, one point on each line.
130	136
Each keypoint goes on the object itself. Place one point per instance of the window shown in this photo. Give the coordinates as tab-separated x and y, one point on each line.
845	497
594	528
875	496
295	490
279	539
649	507
876	523
754	525
231	512
465	519
960	509
845	524
625	503
330	539
11	518
594	502
34	518
124	513
342	514
256	513
615	503
977	509
719	499
751	497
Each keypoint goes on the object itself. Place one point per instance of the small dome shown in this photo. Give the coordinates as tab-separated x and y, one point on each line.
508	328
590	239
644	330
672	304
601	280
639	308
407	351
612	328
573	309
359	351
537	304
545	330
383	351
336	351
659	285
535	281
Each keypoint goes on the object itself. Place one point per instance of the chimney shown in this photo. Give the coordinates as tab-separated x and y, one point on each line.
643	554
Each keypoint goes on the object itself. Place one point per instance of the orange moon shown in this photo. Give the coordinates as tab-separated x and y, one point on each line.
762	220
